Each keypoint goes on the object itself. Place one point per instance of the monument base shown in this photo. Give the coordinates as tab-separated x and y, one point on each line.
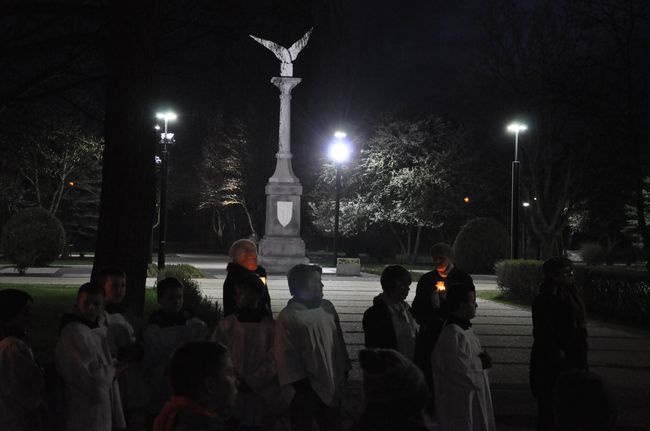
278	254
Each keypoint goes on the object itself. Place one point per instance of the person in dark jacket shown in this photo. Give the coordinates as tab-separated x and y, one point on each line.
559	335
430	304
243	253
389	324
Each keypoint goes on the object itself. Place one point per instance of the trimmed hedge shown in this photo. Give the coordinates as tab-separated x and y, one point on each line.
32	237
519	279
195	301
612	293
480	244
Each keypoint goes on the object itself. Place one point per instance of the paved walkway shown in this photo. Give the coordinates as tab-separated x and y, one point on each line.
620	354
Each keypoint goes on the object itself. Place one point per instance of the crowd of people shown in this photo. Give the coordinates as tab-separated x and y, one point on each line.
420	363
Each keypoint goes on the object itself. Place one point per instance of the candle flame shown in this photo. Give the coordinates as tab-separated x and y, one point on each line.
440	286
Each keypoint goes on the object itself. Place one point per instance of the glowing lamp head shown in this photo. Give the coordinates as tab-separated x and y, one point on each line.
466	199
525	204
167	116
339	135
71	183
517	127
340	152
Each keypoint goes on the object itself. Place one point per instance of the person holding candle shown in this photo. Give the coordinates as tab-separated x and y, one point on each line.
430	304
243	253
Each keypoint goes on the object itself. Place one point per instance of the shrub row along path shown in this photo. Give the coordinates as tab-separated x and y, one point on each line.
620	354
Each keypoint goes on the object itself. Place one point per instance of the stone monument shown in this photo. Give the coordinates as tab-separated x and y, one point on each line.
282	247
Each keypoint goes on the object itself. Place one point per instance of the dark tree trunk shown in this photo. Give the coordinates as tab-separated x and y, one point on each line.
128	183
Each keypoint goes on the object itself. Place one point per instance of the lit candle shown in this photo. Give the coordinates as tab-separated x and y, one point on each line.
440	286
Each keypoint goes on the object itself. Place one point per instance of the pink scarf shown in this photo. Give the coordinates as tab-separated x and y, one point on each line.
166	420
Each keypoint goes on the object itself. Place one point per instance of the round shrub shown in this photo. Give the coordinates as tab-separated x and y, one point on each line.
193	299
32	237
480	244
593	253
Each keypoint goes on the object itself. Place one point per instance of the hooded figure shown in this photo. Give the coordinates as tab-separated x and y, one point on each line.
395	393
244	261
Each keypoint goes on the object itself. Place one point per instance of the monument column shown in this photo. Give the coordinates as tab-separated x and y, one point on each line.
281	248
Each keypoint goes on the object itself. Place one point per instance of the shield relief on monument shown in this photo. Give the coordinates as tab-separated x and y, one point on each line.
285	211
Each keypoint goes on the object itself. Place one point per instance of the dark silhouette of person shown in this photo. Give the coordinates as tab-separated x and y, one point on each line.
430	305
559	335
583	401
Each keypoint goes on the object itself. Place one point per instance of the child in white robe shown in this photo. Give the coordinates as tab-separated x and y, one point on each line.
310	353
84	361
22	384
125	349
248	335
168	328
462	389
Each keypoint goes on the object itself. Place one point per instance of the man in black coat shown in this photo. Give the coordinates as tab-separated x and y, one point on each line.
389	324
430	303
559	335
244	261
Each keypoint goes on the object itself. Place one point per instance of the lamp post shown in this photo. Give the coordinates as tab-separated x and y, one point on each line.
165	139
524	230
339	153
514	207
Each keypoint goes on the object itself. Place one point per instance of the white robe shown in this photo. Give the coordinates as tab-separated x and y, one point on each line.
309	344
121	334
159	346
462	390
22	386
251	349
92	395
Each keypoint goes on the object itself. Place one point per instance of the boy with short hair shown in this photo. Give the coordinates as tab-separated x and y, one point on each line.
389	324
168	328
248	335
84	361
124	347
204	385
310	352
459	364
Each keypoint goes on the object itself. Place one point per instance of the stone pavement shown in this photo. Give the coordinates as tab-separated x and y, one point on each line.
620	354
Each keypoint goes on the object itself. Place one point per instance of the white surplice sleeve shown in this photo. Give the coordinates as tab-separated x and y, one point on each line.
462	365
286	351
82	363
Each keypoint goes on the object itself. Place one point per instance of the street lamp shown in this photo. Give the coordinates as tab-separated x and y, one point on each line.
524	230
339	153
166	138
514	206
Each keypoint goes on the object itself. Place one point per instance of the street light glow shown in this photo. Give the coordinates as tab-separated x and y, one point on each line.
517	127
466	199
340	152
339	135
525	204
167	116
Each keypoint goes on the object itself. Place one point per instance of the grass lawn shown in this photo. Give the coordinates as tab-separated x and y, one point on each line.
497	296
50	302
